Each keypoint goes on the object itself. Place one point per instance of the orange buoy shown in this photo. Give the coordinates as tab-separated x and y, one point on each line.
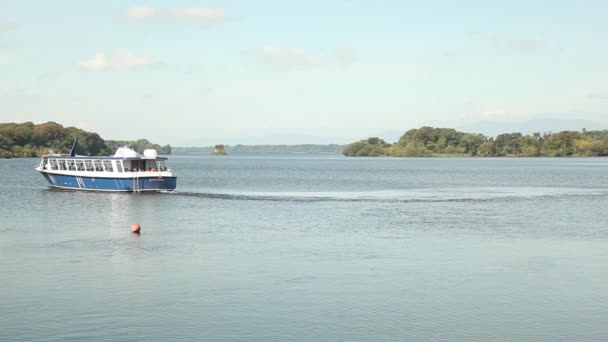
135	227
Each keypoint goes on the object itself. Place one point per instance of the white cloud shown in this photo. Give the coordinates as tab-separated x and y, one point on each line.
120	61
208	14
141	12
203	15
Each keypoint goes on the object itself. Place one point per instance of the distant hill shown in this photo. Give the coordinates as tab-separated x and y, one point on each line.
248	149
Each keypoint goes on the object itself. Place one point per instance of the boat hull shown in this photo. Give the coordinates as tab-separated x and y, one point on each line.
135	184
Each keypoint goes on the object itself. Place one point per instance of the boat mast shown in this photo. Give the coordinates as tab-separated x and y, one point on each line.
73	150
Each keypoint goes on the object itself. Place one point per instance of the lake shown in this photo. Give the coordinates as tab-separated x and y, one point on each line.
312	248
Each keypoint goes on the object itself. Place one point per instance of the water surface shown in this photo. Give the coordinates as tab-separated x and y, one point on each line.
283	248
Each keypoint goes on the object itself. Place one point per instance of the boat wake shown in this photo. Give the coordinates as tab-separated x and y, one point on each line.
410	195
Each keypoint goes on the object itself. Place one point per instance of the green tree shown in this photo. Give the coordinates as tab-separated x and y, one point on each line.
508	144
561	144
371	147
487	149
30	140
471	143
428	141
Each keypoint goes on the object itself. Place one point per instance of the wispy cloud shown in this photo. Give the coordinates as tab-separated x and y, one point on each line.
6	59
203	15
49	75
514	44
498	43
524	45
284	56
504	43
8	26
496	115
345	55
598	96
120	61
142	12
22	93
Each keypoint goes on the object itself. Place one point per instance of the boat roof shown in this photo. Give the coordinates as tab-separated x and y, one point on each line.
67	156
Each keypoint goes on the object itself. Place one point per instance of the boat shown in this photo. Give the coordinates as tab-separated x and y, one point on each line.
125	171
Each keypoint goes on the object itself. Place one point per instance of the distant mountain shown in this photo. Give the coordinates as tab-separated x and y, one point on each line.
268	139
247	149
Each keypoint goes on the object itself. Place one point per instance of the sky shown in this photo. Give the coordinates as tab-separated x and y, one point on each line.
197	73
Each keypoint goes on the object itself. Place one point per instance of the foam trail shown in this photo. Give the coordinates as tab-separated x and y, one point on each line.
410	195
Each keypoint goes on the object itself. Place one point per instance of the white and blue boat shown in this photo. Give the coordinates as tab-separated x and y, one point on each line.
126	171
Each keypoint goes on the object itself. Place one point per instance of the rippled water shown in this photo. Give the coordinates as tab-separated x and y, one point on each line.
321	248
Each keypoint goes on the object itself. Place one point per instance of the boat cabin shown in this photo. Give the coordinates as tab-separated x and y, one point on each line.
97	164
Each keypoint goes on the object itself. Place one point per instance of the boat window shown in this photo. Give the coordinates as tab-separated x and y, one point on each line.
62	164
89	165
71	165
80	165
107	165
118	165
160	164
54	165
98	165
135	165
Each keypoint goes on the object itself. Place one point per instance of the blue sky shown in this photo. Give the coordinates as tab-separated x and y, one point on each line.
206	72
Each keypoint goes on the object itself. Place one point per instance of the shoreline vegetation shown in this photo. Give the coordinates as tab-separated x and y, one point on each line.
28	140
448	142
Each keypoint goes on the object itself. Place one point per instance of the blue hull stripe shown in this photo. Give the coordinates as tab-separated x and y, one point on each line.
111	184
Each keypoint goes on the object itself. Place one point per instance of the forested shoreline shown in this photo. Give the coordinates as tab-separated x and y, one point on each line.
26	140
23	140
430	141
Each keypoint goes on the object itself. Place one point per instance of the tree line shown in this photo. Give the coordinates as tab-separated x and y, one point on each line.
429	141
24	140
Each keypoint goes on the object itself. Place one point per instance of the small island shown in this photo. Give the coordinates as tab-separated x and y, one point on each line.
448	142
219	150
